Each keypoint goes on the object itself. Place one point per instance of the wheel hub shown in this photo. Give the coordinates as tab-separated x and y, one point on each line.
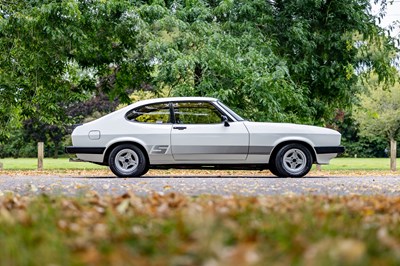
294	161
126	160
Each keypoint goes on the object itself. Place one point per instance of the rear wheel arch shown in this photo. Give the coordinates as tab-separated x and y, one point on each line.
111	147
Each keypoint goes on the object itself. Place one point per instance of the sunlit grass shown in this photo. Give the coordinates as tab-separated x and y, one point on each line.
359	164
48	164
336	164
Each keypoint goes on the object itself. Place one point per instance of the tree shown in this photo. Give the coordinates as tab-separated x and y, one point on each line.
208	53
357	145
328	46
35	129
272	60
34	66
54	54
282	60
379	114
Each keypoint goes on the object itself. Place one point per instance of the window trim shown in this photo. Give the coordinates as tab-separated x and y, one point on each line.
221	112
172	119
229	111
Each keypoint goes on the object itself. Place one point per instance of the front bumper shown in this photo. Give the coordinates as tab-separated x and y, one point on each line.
330	149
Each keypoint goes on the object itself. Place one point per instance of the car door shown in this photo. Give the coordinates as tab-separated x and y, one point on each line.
199	135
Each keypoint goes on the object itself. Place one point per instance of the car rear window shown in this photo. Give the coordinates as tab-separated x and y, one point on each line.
152	113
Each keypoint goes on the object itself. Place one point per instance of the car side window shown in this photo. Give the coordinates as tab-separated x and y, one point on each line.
196	113
152	113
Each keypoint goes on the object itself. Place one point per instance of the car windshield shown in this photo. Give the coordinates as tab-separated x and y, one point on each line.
230	111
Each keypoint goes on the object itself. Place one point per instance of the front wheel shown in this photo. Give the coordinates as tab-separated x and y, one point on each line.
292	160
127	160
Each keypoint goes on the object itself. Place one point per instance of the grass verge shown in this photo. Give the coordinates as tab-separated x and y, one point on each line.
337	164
174	229
48	164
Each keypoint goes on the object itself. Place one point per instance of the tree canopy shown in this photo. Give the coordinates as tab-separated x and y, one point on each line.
379	114
379	111
283	60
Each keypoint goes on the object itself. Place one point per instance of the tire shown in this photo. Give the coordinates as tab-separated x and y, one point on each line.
127	160
146	169
272	169
292	160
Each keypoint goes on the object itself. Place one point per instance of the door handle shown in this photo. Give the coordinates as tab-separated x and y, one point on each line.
179	128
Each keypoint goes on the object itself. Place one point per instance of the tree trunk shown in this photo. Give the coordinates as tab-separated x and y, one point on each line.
393	154
198	74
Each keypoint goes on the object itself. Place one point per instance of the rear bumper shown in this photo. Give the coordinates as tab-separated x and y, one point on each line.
330	149
84	150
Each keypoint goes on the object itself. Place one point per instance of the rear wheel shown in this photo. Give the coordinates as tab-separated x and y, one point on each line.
146	169
292	160
127	160
272	169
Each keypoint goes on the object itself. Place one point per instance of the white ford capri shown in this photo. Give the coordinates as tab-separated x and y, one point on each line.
199	132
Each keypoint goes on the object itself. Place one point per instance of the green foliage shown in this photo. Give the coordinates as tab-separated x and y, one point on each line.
18	146
271	60
34	64
281	60
57	53
374	147
358	146
22	142
379	111
204	51
22	145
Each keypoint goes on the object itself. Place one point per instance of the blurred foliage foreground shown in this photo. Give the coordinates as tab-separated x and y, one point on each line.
173	229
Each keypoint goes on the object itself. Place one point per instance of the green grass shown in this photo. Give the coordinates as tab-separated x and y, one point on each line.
359	164
48	164
63	163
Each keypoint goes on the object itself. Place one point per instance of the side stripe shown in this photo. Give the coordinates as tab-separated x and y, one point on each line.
222	150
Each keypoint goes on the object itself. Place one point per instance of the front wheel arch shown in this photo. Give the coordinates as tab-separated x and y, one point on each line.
276	164
282	144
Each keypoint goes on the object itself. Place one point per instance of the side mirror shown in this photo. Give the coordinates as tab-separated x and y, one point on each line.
225	120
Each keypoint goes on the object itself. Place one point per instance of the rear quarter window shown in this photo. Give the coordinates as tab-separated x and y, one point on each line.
153	113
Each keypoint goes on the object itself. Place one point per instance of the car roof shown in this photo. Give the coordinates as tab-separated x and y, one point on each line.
176	99
172	99
166	99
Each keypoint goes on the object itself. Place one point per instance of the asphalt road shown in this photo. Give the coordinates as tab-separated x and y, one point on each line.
196	185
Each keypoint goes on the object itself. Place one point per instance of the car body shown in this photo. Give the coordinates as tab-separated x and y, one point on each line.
199	132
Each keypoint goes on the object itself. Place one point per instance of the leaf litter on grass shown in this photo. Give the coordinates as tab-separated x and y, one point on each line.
174	229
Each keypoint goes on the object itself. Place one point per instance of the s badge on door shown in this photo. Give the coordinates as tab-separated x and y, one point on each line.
159	149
